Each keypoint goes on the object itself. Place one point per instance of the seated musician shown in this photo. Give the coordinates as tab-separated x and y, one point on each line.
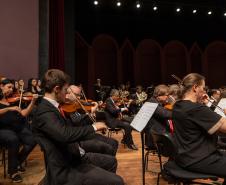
94	143
138	99
14	131
67	162
159	120
113	113
215	95
194	128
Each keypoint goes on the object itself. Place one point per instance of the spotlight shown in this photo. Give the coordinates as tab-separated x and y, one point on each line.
209	13
178	10
225	14
95	2
155	8
194	11
138	5
118	3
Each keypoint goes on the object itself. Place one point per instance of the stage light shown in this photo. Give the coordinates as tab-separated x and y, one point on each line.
155	8
118	3
178	10
194	11
209	13
95	2
225	14
138	5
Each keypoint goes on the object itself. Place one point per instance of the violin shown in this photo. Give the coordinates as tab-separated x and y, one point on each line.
168	106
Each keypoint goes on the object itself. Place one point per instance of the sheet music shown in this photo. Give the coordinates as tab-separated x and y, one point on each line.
222	105
143	116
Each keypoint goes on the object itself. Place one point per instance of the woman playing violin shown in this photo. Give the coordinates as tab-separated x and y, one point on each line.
14	131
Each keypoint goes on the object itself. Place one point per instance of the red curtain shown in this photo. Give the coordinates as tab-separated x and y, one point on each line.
56	34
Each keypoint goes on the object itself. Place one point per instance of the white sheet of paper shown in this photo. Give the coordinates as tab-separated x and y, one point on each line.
143	116
222	105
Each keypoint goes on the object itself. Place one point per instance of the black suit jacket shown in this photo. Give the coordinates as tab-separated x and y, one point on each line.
111	113
58	140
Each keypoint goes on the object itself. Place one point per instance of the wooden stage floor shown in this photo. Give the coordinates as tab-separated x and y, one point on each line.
129	166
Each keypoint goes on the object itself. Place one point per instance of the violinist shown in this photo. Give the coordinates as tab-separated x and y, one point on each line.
14	131
67	162
112	112
159	120
96	143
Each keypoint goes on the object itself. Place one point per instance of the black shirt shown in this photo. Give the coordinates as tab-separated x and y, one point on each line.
12	120
192	122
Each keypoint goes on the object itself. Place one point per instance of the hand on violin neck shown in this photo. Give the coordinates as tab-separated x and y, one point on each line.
34	98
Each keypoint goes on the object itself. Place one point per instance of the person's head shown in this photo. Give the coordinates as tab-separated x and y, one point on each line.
32	82
216	94
139	89
21	82
98	80
114	94
55	82
194	86
161	93
73	92
175	91
6	86
39	82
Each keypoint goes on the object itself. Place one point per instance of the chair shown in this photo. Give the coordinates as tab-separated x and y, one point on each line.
3	159
170	170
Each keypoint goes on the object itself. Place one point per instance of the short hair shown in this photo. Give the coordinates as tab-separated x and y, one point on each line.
161	90
114	92
54	77
190	80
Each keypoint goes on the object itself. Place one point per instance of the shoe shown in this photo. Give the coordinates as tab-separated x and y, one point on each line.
16	178
21	169
132	146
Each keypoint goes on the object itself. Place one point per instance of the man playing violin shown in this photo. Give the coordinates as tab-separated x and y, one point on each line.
97	142
66	161
14	131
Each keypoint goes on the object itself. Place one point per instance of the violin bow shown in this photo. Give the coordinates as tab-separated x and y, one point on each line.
21	95
177	78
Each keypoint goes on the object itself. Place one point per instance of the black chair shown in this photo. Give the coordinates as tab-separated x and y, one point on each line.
170	170
3	159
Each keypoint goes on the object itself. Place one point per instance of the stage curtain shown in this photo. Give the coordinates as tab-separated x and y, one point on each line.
56	34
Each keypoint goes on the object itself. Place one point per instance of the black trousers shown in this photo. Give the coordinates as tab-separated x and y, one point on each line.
93	175
100	144
13	141
103	161
214	164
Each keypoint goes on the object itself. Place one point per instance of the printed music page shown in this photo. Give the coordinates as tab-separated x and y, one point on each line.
143	116
221	106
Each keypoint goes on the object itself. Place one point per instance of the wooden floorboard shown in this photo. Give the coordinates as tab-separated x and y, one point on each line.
129	166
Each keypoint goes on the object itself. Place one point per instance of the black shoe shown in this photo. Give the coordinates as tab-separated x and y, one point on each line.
21	169
132	146
16	178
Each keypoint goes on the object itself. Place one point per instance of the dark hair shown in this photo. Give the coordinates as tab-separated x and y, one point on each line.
6	81
190	80
54	77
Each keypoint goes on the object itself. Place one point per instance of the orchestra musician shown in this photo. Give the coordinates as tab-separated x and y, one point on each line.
159	120
195	127
14	131
112	114
95	143
67	163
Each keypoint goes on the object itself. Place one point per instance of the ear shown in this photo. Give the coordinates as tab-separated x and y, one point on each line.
194	88
56	89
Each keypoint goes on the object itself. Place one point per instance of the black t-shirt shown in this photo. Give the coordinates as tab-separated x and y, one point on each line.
192	121
12	120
